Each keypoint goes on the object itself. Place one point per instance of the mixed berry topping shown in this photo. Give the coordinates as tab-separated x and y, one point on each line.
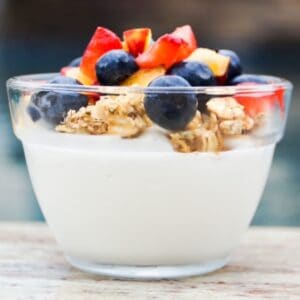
195	121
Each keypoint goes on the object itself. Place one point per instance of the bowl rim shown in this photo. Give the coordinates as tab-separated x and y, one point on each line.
38	82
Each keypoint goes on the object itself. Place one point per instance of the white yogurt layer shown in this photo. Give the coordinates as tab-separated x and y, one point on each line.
137	202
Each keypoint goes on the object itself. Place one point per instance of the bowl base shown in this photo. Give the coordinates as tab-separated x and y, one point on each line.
148	272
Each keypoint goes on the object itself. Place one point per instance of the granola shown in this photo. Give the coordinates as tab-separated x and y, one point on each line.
82	122
226	117
196	122
123	115
226	108
204	138
231	116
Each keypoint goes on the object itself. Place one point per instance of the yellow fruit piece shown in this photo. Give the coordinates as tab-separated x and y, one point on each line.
74	72
216	62
144	76
84	79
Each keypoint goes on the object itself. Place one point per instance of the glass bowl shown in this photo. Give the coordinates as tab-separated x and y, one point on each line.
135	207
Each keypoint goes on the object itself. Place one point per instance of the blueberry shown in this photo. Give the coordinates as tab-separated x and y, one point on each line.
35	98
172	111
75	62
235	67
60	79
115	66
53	106
196	73
247	78
34	113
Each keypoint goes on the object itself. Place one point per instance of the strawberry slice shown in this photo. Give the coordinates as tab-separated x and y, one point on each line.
186	33
280	98
168	49
101	42
259	102
137	40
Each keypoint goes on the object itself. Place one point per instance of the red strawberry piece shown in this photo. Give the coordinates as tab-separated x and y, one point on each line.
137	40
101	42
259	102
169	49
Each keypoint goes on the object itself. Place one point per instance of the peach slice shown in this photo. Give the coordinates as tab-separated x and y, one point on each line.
75	72
216	62
144	76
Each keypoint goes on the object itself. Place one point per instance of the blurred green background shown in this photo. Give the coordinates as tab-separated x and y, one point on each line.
41	36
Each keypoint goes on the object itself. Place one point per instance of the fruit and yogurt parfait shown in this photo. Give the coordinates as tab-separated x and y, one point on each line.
149	156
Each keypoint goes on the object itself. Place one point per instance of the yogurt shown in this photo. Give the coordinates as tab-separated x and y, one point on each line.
109	205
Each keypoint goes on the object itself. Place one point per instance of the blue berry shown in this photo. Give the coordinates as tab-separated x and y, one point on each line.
60	79
115	66
75	62
53	106
196	73
247	78
35	98
34	113
235	67
172	111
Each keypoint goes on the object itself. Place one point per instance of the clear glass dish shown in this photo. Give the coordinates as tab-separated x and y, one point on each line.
136	208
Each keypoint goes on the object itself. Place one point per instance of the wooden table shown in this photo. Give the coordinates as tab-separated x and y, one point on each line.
266	266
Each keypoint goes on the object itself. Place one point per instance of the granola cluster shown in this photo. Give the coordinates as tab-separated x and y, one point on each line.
231	116
202	134
82	122
206	133
123	115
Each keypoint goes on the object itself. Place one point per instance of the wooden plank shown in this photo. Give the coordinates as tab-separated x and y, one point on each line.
266	266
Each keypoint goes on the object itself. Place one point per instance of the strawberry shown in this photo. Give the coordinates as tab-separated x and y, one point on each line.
256	103
169	49
101	42
137	40
186	33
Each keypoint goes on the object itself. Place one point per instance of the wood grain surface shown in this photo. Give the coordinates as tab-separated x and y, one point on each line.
265	266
